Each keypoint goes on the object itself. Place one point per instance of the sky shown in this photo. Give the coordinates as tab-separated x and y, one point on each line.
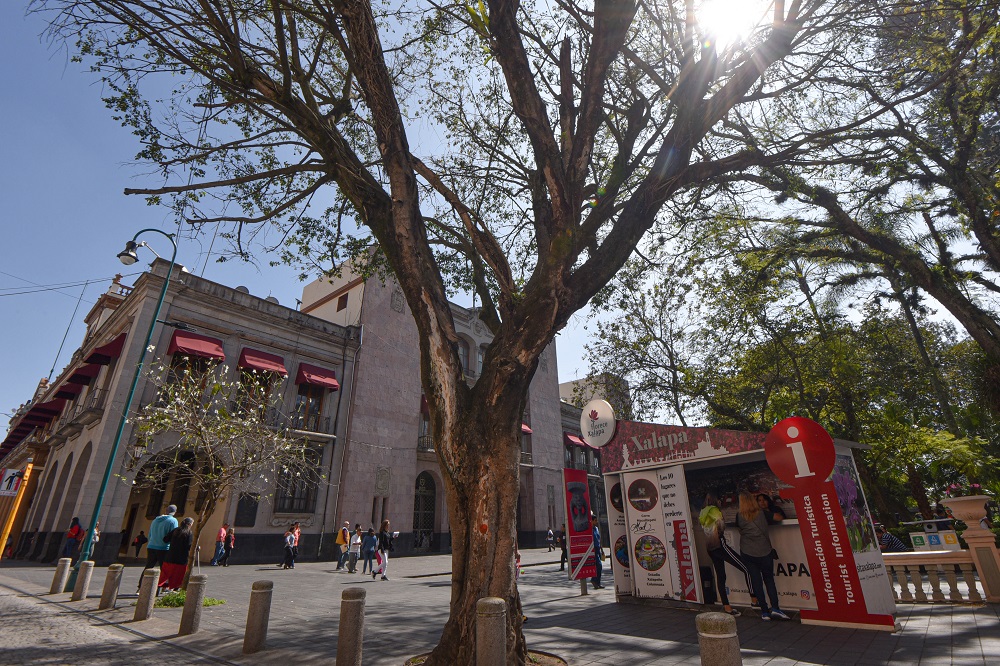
64	163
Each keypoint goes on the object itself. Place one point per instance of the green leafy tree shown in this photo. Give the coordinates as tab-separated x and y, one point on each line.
564	131
218	436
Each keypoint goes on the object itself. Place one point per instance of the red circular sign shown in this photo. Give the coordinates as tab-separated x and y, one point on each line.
800	452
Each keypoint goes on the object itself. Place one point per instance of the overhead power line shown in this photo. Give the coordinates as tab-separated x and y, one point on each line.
57	287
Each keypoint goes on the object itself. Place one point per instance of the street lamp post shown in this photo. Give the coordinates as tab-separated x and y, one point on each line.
128	257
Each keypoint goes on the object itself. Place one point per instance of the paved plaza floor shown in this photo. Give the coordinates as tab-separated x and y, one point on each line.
404	617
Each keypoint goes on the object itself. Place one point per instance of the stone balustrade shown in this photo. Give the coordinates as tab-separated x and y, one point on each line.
934	576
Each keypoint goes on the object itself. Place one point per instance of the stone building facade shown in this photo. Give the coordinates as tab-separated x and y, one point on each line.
68	428
391	469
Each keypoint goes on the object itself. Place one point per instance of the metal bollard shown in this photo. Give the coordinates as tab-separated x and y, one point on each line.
83	581
717	640
255	636
62	575
491	632
193	598
112	582
351	632
147	594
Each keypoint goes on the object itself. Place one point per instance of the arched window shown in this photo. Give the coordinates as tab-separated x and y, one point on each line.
424	499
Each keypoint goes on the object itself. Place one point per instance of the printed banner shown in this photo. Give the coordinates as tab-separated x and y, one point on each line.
875	582
579	535
647	538
677	526
10	481
638	445
618	533
802	454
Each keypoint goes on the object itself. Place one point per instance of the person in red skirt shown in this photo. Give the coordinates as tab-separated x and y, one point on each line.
176	559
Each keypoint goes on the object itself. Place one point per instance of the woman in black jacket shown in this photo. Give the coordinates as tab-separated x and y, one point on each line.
384	548
176	559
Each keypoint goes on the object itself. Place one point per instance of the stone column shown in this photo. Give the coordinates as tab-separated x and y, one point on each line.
982	547
194	596
83	581
112	582
62	575
491	632
351	632
255	636
147	594
717	639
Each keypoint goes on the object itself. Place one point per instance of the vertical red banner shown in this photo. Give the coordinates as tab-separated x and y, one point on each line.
685	560
801	453
582	557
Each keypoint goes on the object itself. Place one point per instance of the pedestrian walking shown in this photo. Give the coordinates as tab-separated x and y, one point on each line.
758	555
74	535
561	538
354	550
550	539
343	543
289	562
385	546
175	562
296	533
719	550
220	544
227	546
139	542
369	542
598	553
157	546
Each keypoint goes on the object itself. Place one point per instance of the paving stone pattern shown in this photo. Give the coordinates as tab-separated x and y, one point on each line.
405	615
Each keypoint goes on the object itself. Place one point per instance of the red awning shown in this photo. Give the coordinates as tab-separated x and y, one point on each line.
84	374
525	429
46	410
254	359
573	440
102	355
193	344
69	391
313	374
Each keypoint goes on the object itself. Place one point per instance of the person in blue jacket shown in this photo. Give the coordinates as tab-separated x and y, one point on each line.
156	547
598	553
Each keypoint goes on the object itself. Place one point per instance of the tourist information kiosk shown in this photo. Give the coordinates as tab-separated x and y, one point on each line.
828	567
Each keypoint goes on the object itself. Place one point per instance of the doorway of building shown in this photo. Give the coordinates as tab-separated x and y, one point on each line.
424	499
127	531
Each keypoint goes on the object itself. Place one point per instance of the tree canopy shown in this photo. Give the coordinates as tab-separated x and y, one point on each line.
520	151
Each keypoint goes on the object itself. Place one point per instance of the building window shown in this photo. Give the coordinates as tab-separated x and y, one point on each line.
424	499
181	363
463	355
567	457
342	303
309	407
482	360
425	441
246	510
254	391
295	494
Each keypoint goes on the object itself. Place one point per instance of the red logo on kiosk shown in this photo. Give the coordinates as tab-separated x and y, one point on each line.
801	453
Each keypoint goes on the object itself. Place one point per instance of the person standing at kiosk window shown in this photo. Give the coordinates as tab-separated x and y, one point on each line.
720	551
759	555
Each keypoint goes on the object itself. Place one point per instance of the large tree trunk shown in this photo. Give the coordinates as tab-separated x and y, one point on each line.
482	492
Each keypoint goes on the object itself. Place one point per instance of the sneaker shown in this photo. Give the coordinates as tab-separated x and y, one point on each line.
754	603
732	611
766	617
385	578
780	615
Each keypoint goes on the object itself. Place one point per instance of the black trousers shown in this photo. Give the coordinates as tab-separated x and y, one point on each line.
719	558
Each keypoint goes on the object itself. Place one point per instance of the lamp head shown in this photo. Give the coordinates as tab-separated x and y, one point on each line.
128	255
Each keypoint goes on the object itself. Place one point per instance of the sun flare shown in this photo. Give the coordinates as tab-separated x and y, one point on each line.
726	22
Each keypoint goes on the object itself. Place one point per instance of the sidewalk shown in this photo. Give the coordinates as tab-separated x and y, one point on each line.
404	617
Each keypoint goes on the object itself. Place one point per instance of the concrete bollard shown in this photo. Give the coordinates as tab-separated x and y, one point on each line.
147	594
491	632
351	632
255	636
83	581
193	598
62	575
112	582
717	640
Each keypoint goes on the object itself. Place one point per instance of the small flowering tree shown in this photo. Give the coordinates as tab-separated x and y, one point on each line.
217	435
